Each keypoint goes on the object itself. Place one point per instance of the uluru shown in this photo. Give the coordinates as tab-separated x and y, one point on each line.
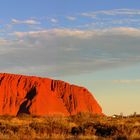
43	96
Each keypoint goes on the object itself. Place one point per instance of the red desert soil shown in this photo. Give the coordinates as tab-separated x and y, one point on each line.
43	96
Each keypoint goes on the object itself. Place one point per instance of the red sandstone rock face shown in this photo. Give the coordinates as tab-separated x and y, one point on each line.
43	96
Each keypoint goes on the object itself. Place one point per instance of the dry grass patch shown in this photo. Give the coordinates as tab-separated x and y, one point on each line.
80	126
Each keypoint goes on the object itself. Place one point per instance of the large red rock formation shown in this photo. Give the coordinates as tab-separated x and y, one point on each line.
43	96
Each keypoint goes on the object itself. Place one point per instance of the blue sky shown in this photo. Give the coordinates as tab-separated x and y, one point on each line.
90	43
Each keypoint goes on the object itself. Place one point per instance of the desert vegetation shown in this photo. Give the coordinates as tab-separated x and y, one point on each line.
80	126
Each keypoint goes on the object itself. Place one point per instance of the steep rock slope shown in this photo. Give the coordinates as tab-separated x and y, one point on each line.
43	96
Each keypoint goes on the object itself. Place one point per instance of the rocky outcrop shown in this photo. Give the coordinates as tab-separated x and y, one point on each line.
43	96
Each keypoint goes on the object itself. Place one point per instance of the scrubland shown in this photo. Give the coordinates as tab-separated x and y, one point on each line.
80	126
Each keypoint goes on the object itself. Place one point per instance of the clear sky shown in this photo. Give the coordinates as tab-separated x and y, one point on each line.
92	43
